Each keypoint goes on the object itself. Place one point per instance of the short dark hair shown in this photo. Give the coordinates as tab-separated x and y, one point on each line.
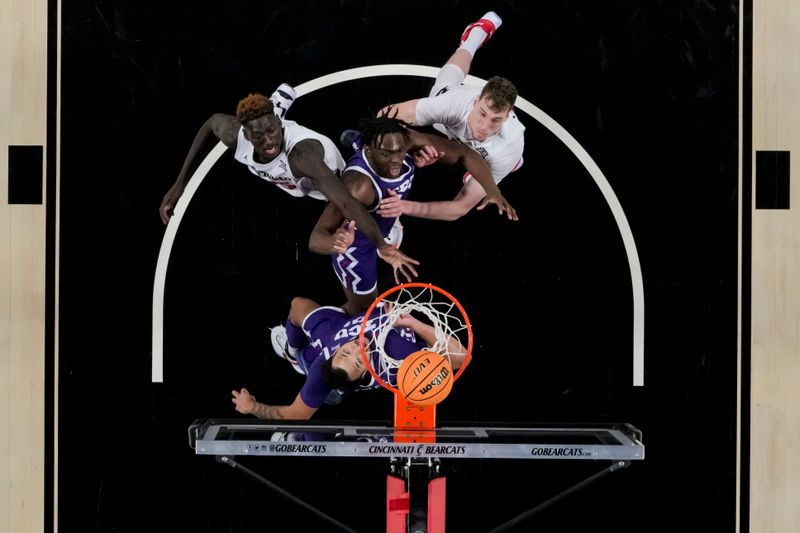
374	128
501	92
337	378
253	106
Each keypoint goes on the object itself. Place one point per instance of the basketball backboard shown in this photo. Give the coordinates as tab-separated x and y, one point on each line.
320	439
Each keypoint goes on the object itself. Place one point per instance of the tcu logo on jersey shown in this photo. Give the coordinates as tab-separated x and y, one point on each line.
352	328
403	187
348	332
482	151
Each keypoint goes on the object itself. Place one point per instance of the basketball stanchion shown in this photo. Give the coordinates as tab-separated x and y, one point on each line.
419	382
424	379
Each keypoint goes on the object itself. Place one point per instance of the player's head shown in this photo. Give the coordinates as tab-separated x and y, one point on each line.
345	369
492	108
386	142
262	127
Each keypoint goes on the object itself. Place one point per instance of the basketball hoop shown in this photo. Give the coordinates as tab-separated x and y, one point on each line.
431	305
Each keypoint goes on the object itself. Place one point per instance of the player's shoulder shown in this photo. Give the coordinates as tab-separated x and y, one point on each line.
292	130
357	160
513	127
294	133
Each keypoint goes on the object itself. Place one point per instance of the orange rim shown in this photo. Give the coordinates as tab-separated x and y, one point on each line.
362	342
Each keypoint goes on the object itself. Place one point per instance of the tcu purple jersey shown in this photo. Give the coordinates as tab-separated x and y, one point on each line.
327	328
357	268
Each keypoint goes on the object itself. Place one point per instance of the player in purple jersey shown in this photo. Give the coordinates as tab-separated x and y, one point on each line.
323	344
298	160
380	168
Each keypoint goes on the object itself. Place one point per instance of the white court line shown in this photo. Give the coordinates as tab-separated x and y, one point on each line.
430	72
163	258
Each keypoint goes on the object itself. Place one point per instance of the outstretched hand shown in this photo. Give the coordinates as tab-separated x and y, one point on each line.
244	401
401	263
502	205
169	201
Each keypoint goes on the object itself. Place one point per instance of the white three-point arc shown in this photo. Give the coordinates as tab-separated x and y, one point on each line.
420	71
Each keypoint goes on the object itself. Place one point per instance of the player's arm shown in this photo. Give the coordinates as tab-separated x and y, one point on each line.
406	111
219	126
247	404
427	334
330	235
467	197
458	153
307	158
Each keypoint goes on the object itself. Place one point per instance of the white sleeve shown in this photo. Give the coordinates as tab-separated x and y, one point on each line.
506	160
448	108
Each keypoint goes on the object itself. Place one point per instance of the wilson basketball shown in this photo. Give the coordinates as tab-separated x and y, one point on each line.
425	378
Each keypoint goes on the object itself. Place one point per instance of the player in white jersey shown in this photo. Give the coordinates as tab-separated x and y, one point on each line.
278	171
484	119
296	159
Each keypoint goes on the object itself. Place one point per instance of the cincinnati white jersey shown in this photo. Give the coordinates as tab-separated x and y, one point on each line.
278	171
448	111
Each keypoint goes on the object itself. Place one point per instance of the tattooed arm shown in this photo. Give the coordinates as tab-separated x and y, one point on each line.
247	404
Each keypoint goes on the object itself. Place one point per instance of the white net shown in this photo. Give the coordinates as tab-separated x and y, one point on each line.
429	305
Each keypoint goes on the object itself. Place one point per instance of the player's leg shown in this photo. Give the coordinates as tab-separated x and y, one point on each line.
353	285
358	303
289	340
457	67
357	270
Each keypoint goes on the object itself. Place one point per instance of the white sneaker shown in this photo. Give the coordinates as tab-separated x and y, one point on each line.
282	99
289	436
487	23
280	345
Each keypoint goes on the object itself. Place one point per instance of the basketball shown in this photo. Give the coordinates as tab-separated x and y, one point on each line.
425	378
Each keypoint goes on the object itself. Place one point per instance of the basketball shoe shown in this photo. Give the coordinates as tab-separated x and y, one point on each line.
280	436
280	345
282	99
486	26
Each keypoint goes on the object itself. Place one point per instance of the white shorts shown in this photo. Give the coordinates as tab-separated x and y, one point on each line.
449	76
